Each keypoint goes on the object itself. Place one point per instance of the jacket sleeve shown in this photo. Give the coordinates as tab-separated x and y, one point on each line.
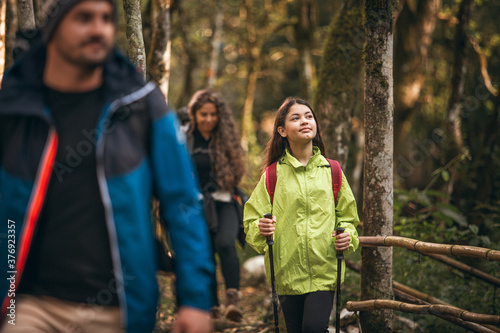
255	208
347	214
182	210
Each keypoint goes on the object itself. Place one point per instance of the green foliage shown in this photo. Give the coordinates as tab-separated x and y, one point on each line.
425	215
451	286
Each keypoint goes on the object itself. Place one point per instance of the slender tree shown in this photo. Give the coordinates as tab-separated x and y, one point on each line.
340	85
376	275
256	35
459	71
453	120
10	31
414	28
253	66
216	43
304	30
133	18
160	52
190	57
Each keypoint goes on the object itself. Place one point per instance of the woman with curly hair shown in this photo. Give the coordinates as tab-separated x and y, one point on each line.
219	159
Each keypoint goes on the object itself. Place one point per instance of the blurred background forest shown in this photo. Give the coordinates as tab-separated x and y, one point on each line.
446	70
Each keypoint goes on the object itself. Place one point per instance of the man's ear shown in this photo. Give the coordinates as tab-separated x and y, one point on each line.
282	131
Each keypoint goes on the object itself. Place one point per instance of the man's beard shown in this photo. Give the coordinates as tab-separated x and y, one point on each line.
87	62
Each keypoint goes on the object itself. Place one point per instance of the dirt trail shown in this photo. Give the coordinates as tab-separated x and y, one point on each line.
255	303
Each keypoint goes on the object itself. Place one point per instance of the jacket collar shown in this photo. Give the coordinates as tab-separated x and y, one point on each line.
316	160
22	86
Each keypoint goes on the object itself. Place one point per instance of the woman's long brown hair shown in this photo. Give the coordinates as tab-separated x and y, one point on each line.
225	150
277	145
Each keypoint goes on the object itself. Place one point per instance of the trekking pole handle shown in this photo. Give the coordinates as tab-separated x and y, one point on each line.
340	254
269	238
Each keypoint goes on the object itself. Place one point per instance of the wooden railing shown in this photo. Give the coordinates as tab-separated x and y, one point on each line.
414	301
425	247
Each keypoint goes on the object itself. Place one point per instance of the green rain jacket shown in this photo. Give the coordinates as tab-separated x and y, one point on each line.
306	217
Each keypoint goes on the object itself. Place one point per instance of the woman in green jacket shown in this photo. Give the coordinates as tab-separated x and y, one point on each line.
304	220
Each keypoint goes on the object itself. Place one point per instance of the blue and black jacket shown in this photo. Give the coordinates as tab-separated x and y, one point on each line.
140	153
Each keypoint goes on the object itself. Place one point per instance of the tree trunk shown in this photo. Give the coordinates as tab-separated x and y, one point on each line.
37	9
133	19
248	138
26	14
216	44
190	60
414	29
159	55
376	276
10	31
304	40
458	79
485	161
340	80
3	11
454	130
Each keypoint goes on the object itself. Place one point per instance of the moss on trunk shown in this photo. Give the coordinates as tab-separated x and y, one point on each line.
340	86
159	55
135	39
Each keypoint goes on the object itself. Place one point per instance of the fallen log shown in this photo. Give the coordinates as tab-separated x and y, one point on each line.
425	247
434	309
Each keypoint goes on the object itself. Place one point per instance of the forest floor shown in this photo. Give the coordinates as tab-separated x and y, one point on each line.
255	302
414	271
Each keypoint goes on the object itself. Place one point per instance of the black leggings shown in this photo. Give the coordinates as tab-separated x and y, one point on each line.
308	313
223	243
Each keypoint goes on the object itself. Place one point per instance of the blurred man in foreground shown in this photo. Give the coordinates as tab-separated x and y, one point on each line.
85	144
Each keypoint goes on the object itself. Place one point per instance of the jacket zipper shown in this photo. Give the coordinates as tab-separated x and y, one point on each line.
307	229
34	208
103	186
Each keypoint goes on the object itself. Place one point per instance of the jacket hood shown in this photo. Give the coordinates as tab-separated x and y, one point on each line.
24	82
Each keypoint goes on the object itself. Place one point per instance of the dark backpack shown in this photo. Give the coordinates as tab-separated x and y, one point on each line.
271	179
239	199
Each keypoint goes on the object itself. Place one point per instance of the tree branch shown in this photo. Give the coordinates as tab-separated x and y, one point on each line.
434	309
425	247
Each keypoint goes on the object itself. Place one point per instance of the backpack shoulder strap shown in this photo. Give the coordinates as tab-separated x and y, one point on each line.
271	179
336	178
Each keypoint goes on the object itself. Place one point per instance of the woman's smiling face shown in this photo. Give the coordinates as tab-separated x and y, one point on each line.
206	118
300	126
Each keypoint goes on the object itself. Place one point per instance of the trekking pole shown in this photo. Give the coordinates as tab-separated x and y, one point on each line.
340	256
270	242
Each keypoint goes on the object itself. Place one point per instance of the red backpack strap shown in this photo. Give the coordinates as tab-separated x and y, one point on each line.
336	178
271	179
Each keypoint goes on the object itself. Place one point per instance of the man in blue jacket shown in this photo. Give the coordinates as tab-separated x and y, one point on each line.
84	146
